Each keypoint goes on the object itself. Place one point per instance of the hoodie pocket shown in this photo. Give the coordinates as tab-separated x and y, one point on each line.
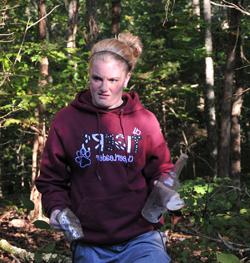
112	213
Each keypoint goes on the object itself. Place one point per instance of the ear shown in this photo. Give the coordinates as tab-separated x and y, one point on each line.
127	79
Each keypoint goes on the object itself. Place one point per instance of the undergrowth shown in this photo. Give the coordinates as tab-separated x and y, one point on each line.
215	222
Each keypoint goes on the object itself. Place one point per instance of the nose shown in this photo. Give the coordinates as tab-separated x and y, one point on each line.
104	86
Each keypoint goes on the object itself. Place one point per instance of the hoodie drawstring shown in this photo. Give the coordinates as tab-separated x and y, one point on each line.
125	141
99	151
124	135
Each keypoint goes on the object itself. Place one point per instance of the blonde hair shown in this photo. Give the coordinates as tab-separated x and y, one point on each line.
126	48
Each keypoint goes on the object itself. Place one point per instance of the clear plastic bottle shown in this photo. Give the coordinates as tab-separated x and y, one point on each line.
164	195
70	225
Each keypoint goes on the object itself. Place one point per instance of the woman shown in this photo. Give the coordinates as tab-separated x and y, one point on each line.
103	153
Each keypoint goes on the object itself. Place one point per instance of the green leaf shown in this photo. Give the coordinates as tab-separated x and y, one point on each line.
200	189
49	248
244	211
27	203
227	258
11	121
35	58
38	257
41	224
44	254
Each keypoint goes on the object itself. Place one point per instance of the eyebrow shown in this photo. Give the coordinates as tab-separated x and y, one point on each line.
94	75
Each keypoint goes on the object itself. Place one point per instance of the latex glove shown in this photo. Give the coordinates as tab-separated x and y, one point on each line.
175	203
53	220
70	225
161	199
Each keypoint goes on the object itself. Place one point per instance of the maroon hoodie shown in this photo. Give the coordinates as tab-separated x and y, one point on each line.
102	164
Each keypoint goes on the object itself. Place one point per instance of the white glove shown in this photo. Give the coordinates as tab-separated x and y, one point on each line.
70	225
53	220
175	203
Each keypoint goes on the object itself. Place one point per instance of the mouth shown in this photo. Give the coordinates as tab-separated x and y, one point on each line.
103	96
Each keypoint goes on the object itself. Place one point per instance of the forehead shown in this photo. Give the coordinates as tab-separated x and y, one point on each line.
107	65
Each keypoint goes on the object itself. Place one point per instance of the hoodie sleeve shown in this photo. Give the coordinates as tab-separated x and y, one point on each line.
158	155
53	182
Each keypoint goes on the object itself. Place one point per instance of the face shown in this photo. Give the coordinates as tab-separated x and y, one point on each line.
108	77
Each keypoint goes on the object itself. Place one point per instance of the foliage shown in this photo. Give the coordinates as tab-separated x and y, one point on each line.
227	258
216	218
169	77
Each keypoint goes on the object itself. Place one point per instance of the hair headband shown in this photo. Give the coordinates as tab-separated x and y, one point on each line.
113	53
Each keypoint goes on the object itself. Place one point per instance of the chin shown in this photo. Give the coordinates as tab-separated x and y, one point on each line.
102	105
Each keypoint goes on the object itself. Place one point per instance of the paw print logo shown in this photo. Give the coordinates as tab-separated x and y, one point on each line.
83	157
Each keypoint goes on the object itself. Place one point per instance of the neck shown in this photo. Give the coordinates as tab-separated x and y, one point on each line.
118	104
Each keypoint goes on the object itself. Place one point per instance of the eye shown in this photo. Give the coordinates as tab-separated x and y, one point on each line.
113	80
96	78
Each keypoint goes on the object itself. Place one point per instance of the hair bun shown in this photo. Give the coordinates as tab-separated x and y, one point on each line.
133	42
125	47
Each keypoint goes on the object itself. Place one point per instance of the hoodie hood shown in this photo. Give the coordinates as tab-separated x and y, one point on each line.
83	101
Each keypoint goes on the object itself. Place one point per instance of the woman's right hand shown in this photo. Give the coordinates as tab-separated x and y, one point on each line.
53	220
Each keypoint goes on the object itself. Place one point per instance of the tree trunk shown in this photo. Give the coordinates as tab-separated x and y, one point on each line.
42	23
92	26
71	34
1	161
237	105
196	7
235	134
224	160
72	23
40	136
116	16
209	89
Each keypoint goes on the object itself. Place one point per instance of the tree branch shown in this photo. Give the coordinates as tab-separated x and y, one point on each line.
242	93
6	34
43	17
230	245
28	27
26	256
9	113
231	5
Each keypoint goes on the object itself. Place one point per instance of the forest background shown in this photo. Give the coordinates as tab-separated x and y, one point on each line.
194	74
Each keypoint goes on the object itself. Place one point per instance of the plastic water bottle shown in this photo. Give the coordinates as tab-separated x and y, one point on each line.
164	195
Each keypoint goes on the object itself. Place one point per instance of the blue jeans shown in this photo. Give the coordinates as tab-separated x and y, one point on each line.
146	248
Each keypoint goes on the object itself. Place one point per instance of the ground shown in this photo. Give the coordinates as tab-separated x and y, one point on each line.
20	232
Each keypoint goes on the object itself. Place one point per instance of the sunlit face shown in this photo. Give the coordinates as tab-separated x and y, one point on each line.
108	77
